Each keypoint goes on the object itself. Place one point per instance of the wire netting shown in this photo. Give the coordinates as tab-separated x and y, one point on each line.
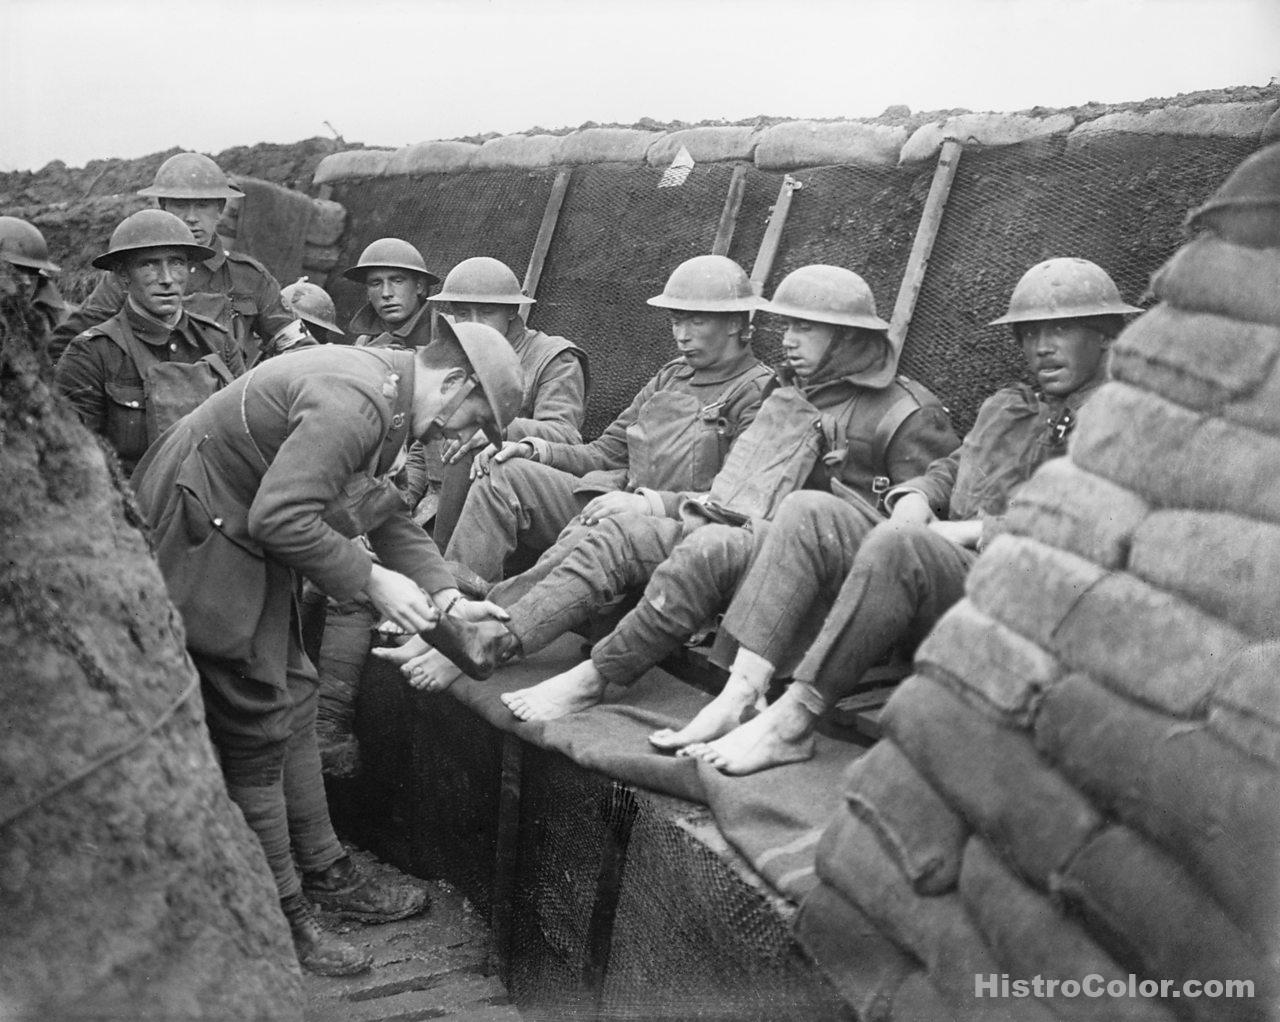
1119	200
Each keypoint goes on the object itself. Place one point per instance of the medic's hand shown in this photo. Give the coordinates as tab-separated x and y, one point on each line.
514	449
455	450
480	464
616	502
399	600
966	534
912	508
478	610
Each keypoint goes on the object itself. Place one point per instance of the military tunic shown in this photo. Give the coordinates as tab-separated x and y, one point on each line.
231	287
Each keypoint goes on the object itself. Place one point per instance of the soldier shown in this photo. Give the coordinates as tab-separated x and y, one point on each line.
270	479
314	309
145	367
910	570
477	290
672	438
228	286
484	290
839	419
396	281
25	269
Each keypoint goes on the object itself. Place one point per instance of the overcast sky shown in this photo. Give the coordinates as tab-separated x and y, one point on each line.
84	79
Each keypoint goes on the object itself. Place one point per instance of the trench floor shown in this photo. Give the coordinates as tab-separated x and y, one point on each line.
435	966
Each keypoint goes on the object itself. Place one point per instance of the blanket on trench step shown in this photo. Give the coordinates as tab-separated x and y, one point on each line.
773	818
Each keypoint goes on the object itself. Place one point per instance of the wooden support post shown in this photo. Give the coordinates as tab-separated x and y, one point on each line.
773	233
506	857
922	248
619	813
729	215
550	217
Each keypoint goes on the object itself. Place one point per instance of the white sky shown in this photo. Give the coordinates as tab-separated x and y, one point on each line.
85	79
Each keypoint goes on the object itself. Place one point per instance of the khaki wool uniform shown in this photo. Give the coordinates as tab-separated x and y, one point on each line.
242	497
230	287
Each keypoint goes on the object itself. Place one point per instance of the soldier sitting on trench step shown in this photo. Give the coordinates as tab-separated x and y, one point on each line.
909	570
839	419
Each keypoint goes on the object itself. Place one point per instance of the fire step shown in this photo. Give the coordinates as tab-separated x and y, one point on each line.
436	966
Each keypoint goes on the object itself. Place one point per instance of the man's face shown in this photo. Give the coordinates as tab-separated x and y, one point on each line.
1064	354
805	344
18	282
490	314
394	294
706	339
155	278
201	215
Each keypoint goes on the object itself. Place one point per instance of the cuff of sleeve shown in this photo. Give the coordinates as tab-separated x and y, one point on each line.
541	448
654	498
895	494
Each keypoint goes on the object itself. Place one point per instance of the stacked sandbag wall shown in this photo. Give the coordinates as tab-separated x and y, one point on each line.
1081	778
130	885
1111	188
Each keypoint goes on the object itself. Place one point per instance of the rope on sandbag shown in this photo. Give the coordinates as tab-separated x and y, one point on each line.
102	761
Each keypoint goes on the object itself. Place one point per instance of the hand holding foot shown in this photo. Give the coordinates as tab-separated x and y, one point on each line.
781	733
431	672
574	690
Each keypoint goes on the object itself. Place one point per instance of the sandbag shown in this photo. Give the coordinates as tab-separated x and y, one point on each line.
1224	564
987	129
1175	457
524	151
935	930
817	144
1216	811
431	158
1206	362
1245	709
321	258
716	143
607	145
1217	120
862	964
992	775
352	163
915	826
1030	937
327	223
1153	919
1212	275
1066	507
969	648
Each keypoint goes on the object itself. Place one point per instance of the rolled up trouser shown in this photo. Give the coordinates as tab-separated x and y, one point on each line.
796	575
684	594
344	648
902	580
518	502
613	557
261	732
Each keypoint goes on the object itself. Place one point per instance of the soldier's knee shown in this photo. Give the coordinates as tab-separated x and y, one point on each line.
806	508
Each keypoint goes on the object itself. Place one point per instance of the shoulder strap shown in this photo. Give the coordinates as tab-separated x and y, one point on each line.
736	387
143	357
916	396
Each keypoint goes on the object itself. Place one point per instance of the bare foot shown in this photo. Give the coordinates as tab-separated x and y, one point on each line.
736	702
403	653
574	690
782	733
431	672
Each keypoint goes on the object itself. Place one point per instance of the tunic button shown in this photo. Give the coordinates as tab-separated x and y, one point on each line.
217	523
173	346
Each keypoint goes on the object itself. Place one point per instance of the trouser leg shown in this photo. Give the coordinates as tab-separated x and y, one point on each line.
903	579
615	556
509	591
310	828
344	648
684	593
455	484
796	574
518	502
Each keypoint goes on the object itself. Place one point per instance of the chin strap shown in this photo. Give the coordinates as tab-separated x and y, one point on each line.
455	402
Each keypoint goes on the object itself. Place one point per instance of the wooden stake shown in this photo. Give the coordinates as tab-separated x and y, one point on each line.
550	217
773	233
729	215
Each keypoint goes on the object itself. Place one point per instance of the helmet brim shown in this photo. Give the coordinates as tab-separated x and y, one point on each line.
743	304
481	299
109	260
356	273
227	191
43	265
1039	315
324	324
864	321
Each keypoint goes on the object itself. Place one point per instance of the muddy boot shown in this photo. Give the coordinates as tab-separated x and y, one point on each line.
344	890
318	951
339	750
478	648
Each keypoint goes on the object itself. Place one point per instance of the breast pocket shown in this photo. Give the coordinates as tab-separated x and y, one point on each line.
126	420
